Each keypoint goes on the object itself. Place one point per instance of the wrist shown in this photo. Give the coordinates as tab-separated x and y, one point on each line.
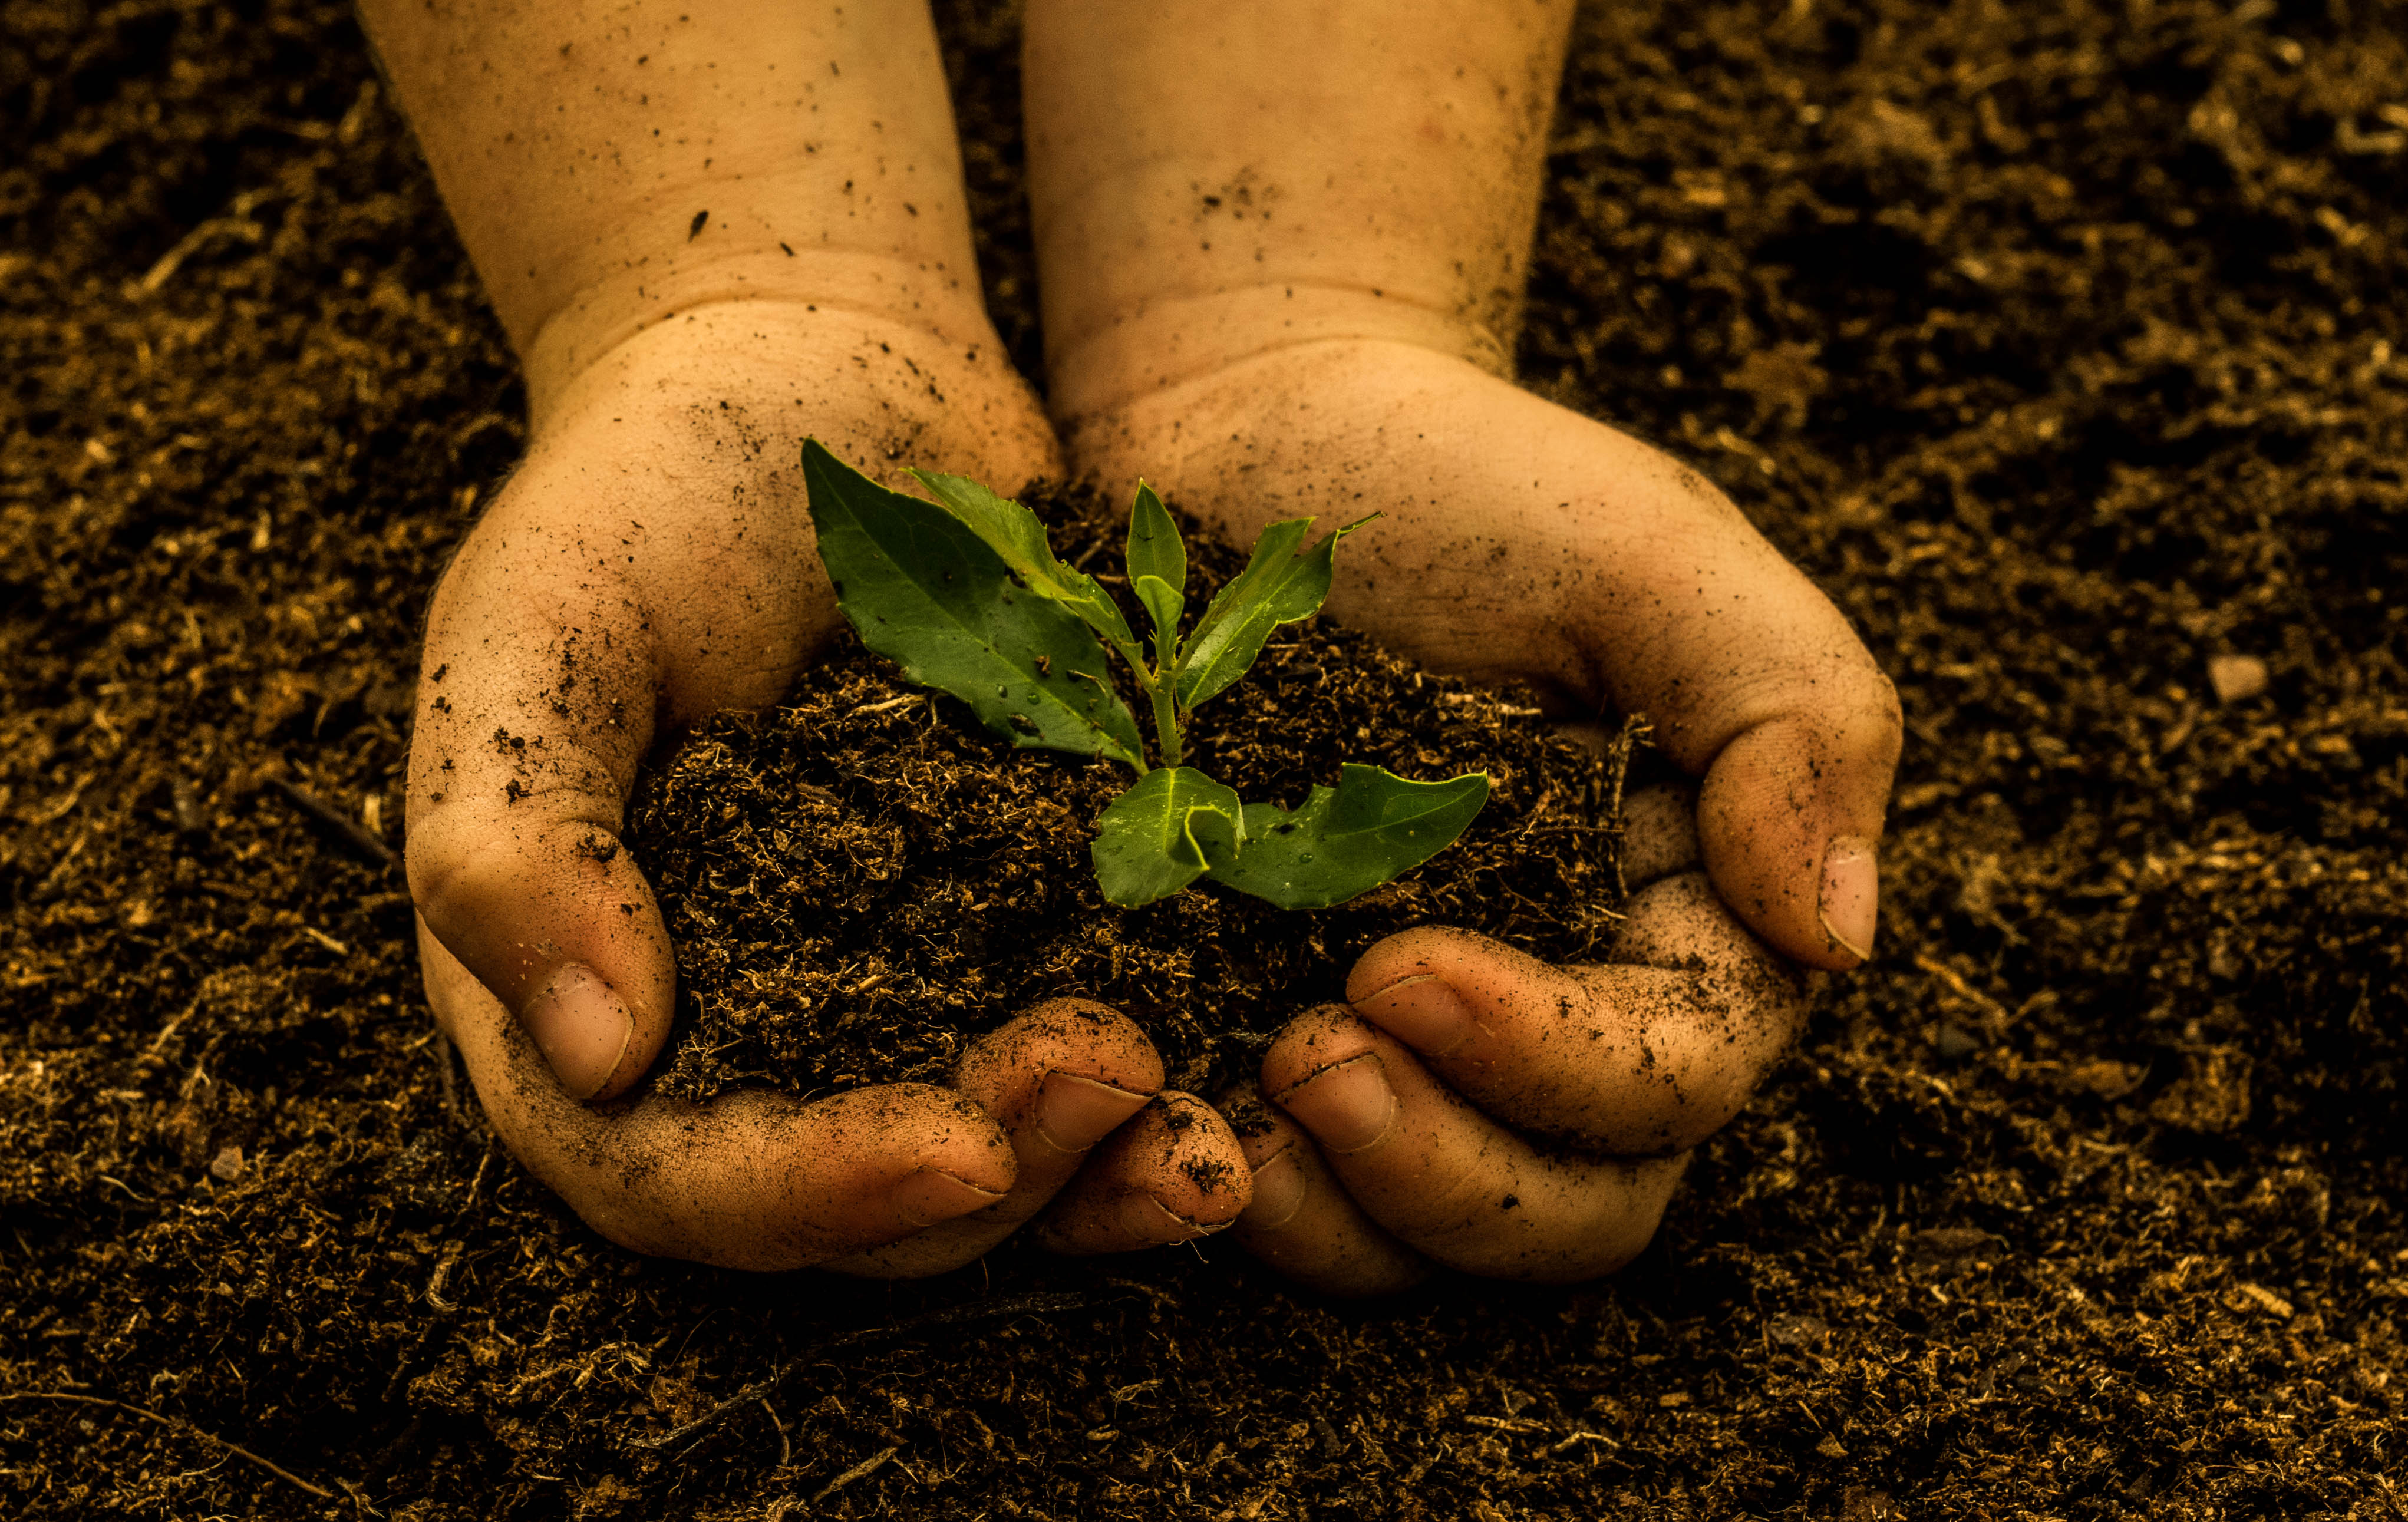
1105	361
765	311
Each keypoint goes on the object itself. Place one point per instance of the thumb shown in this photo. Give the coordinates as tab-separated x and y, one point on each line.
535	702
1757	685
1790	820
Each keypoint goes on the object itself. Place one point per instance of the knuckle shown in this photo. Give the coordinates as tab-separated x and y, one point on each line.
461	861
624	1224
1589	1259
457	872
1585	1245
1460	1203
446	871
1875	726
1622	1233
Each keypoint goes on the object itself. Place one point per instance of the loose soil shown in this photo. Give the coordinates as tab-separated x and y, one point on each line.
2062	343
860	879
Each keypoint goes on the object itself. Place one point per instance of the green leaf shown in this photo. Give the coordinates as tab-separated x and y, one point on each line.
1277	586
1154	548
1013	532
1163	604
1163	833
1348	839
927	592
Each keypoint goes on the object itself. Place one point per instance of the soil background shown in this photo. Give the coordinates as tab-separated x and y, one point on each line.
2061	341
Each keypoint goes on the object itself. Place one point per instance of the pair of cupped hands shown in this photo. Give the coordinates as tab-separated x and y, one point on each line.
1468	1106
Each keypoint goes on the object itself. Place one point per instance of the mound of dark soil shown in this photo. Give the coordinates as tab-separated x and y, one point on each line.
2061	341
858	881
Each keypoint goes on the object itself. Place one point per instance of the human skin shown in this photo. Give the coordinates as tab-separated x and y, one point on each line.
710	232
652	561
1436	1119
1281	249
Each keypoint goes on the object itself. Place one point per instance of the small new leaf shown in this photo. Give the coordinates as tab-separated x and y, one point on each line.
1154	548
1277	586
1013	532
1164	605
1372	827
1171	825
929	592
966	596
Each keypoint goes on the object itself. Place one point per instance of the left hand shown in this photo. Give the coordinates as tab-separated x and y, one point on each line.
1060	1106
1474	1106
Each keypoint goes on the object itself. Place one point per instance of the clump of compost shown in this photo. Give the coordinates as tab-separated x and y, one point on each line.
862	879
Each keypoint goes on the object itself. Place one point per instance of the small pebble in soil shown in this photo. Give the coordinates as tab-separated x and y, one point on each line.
1953	1043
2236	678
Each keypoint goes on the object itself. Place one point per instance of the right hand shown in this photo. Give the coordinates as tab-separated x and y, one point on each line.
649	563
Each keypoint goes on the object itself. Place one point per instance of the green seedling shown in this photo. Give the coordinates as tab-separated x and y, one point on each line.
965	595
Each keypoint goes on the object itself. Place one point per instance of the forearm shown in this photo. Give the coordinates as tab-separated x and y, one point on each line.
1206	174
610	166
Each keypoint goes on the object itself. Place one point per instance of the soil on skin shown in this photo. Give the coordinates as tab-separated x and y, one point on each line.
2061	341
863	878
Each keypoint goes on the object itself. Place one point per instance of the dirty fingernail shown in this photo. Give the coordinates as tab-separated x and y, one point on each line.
1347	1107
931	1195
581	1028
1422	1012
1073	1114
1851	901
1279	1190
1150	1220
